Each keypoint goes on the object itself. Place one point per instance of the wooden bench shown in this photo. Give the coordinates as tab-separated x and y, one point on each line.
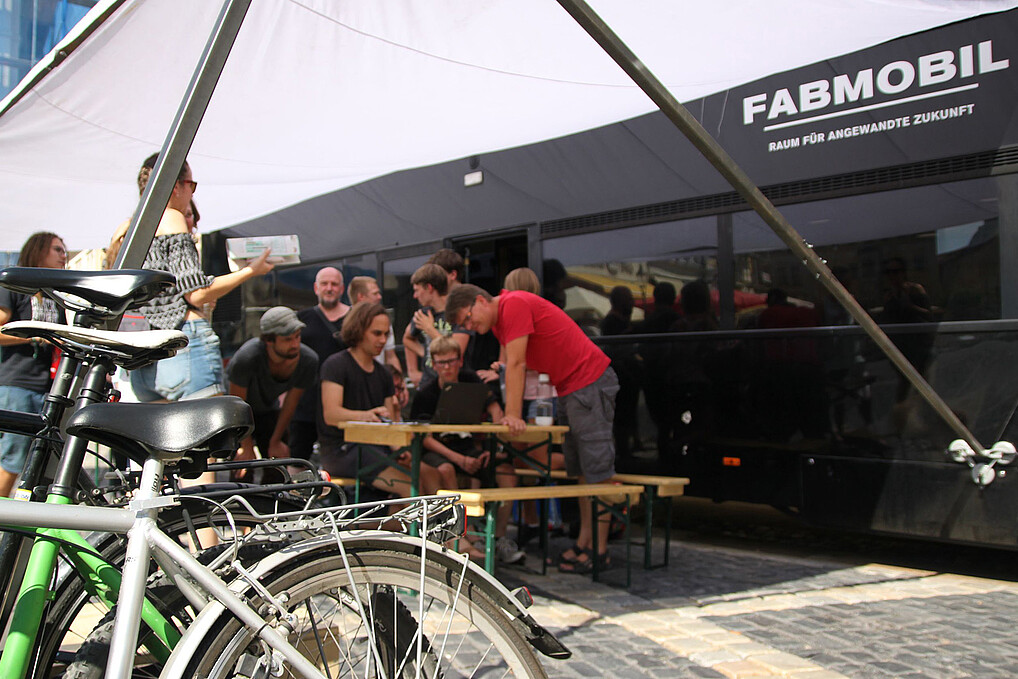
655	489
485	502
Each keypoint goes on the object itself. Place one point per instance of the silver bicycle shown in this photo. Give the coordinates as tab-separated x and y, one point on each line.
325	593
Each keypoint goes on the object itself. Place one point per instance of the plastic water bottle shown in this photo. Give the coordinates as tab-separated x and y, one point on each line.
544	412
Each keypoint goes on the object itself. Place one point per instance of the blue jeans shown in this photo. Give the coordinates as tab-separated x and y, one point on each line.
14	447
195	372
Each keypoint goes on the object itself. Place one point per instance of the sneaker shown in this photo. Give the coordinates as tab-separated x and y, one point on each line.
507	552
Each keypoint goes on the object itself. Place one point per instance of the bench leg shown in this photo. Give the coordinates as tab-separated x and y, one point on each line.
650	500
490	515
543	507
596	506
668	528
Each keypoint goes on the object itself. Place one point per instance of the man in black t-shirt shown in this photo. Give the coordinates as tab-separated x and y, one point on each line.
323	323
355	387
266	368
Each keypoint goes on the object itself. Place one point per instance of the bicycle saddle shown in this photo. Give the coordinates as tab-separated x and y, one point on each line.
131	350
171	432
108	293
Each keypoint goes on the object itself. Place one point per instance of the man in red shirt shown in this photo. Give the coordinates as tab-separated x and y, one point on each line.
538	335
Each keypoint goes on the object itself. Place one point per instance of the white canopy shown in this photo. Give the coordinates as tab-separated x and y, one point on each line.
319	95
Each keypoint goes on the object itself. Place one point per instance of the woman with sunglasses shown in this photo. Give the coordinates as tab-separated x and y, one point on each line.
197	370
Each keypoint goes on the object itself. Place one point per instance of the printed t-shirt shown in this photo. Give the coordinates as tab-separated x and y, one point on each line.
556	344
27	365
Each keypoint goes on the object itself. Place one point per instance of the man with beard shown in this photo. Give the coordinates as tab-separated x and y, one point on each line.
322	325
266	368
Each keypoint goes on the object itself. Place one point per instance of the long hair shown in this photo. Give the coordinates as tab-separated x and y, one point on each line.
36	248
357	320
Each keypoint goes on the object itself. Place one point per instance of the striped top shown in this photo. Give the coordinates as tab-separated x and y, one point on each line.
174	253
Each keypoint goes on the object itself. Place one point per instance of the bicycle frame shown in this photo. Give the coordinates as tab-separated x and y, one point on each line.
144	539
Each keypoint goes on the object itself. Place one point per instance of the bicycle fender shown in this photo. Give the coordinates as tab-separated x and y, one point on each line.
540	638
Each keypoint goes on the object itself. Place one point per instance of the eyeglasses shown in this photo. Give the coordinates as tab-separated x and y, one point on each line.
192	183
470	314
446	362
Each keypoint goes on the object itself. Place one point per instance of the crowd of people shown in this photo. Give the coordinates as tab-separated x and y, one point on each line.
310	370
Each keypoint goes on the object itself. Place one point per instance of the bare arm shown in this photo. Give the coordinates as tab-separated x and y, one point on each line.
9	340
333	411
515	375
277	447
496	412
414	351
226	283
247	445
392	359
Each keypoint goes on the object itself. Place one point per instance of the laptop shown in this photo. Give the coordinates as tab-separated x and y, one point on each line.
461	403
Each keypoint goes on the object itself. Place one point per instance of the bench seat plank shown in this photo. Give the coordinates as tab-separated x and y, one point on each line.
475	499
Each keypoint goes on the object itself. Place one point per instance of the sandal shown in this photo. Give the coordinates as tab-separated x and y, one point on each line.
604	562
562	558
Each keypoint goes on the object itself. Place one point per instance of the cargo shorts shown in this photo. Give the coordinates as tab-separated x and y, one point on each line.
589	447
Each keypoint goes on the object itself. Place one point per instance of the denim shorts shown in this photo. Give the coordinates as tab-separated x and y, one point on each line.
195	372
14	447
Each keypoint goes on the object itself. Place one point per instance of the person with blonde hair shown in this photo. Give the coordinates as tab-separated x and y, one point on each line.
523	279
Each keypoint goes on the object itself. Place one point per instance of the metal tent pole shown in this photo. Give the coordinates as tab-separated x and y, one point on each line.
181	135
719	158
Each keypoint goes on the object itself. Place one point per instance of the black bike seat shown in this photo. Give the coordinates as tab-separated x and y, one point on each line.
111	292
196	430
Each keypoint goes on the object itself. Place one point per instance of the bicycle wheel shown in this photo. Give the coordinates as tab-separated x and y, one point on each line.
73	613
373	619
91	656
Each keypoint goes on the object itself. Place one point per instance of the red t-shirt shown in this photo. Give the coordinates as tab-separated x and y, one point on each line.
556	345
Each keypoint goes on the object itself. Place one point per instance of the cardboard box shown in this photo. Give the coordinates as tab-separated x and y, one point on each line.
240	251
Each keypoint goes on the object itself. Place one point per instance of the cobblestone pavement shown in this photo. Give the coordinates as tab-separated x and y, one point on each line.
731	611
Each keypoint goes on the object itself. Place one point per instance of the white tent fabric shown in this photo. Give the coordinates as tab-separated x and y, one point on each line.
319	95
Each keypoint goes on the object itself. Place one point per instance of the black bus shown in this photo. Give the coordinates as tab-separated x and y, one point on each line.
899	164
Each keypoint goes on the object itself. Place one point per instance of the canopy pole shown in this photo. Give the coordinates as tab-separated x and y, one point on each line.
181	135
719	158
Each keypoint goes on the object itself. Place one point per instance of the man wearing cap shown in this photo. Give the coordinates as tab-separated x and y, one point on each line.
265	368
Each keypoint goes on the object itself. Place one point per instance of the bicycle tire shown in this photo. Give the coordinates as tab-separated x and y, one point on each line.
61	627
465	634
91	657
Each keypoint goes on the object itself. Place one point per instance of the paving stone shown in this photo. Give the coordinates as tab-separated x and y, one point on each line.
832	619
741	669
